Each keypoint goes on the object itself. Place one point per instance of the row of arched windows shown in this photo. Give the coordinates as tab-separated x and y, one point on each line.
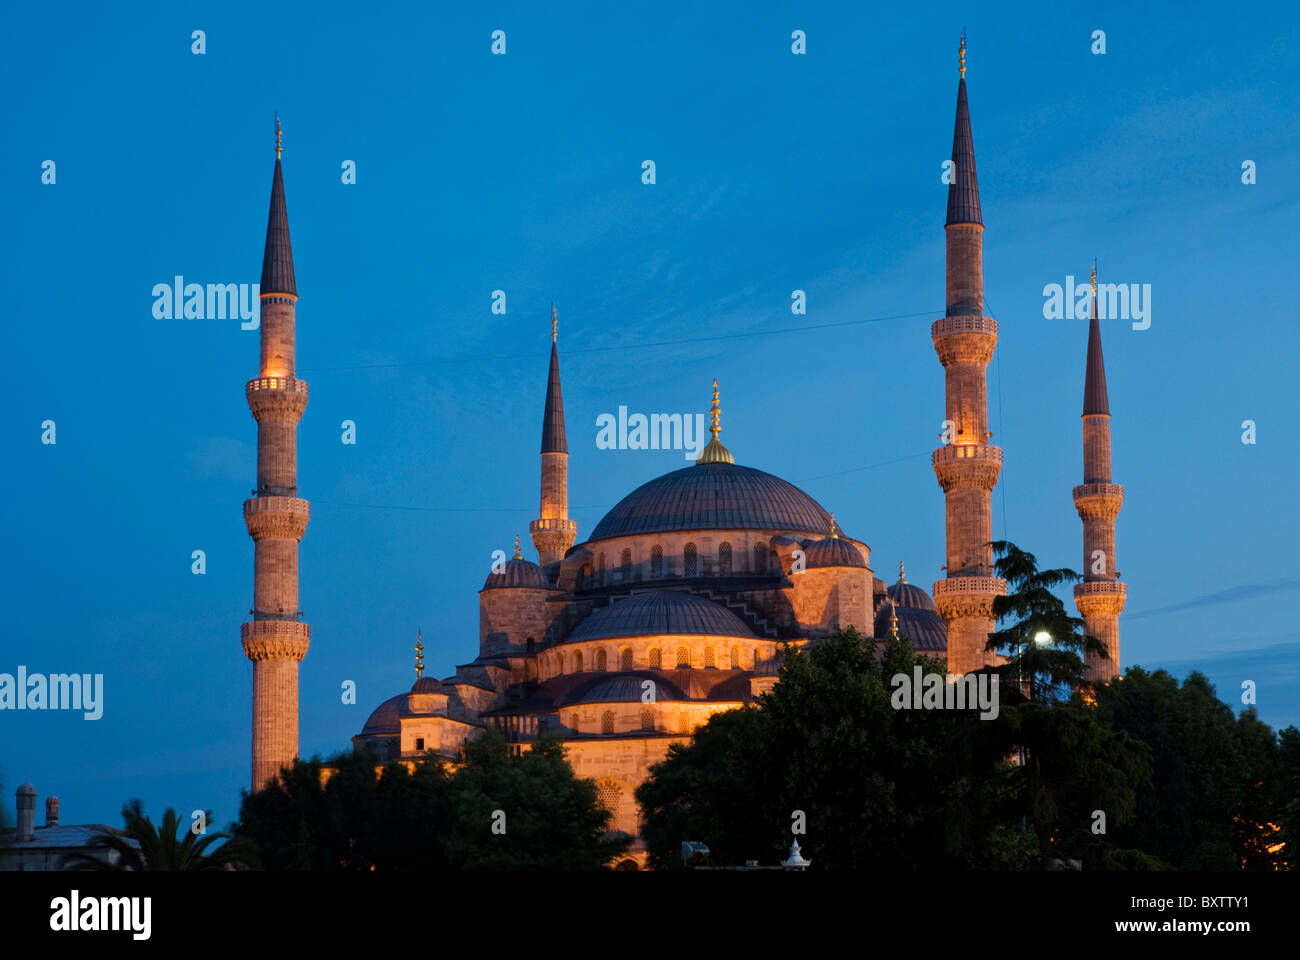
681	660
690	562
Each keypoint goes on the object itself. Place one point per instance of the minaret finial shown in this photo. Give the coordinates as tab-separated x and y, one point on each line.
518	555
714	451
419	654
555	325
961	54
893	621
902	577
278	147
834	535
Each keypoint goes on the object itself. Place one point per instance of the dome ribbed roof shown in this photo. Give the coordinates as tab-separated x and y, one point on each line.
674	685
714	496
660	613
909	595
386	717
517	573
924	628
832	552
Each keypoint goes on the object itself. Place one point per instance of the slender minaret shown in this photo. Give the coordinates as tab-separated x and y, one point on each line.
553	533
1100	597
276	639
967	465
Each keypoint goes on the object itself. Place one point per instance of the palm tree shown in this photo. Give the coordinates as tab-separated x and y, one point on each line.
1048	668
141	846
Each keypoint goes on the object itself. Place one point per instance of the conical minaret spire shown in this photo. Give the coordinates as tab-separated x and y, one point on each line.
276	639
967	465
1100	597
553	532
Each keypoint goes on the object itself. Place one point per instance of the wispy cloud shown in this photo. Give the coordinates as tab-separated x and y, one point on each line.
1246	591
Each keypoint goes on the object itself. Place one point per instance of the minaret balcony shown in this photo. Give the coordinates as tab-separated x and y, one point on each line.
958	597
278	396
1100	597
560	524
276	518
275	639
967	466
964	338
1098	501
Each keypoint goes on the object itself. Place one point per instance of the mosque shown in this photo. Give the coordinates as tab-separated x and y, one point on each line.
677	605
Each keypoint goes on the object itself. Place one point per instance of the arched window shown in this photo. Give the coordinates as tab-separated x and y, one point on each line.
709	659
625	659
600	570
724	559
602	660
688	556
656	562
683	657
683	723
573	723
735	658
760	558
577	662
530	645
607	722
647	720
561	664
655	659
625	568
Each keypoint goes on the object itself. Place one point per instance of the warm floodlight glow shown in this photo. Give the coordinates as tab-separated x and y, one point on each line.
1042	637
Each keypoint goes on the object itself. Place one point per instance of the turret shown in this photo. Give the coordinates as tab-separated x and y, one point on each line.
967	465
553	532
1100	597
276	639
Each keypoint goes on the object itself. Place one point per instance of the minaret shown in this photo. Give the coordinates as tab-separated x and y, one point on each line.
553	533
1100	597
276	639
967	465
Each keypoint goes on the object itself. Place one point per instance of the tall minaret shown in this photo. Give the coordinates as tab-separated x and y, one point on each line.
967	465
1100	597
554	533
276	639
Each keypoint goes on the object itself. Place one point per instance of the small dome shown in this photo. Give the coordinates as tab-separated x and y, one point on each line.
910	596
517	573
661	613
925	628
426	685
832	552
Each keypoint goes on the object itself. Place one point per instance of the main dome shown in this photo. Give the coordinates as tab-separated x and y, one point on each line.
714	496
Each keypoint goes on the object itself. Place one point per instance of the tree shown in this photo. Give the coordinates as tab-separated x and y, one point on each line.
1051	670
342	816
160	848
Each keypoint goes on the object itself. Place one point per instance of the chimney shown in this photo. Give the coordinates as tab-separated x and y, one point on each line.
52	811
26	813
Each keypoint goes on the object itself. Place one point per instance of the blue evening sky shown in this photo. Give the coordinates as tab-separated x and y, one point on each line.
522	173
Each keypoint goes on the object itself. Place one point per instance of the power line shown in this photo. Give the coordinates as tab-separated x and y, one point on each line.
633	346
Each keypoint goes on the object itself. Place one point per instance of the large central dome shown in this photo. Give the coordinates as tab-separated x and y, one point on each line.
714	496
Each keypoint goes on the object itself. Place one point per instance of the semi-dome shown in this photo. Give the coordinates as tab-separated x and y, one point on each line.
670	685
925	628
714	496
660	613
832	552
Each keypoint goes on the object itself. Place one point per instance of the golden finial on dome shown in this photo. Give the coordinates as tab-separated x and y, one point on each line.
893	621
834	535
714	451
961	54
419	654
902	577
277	135
555	326
518	555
